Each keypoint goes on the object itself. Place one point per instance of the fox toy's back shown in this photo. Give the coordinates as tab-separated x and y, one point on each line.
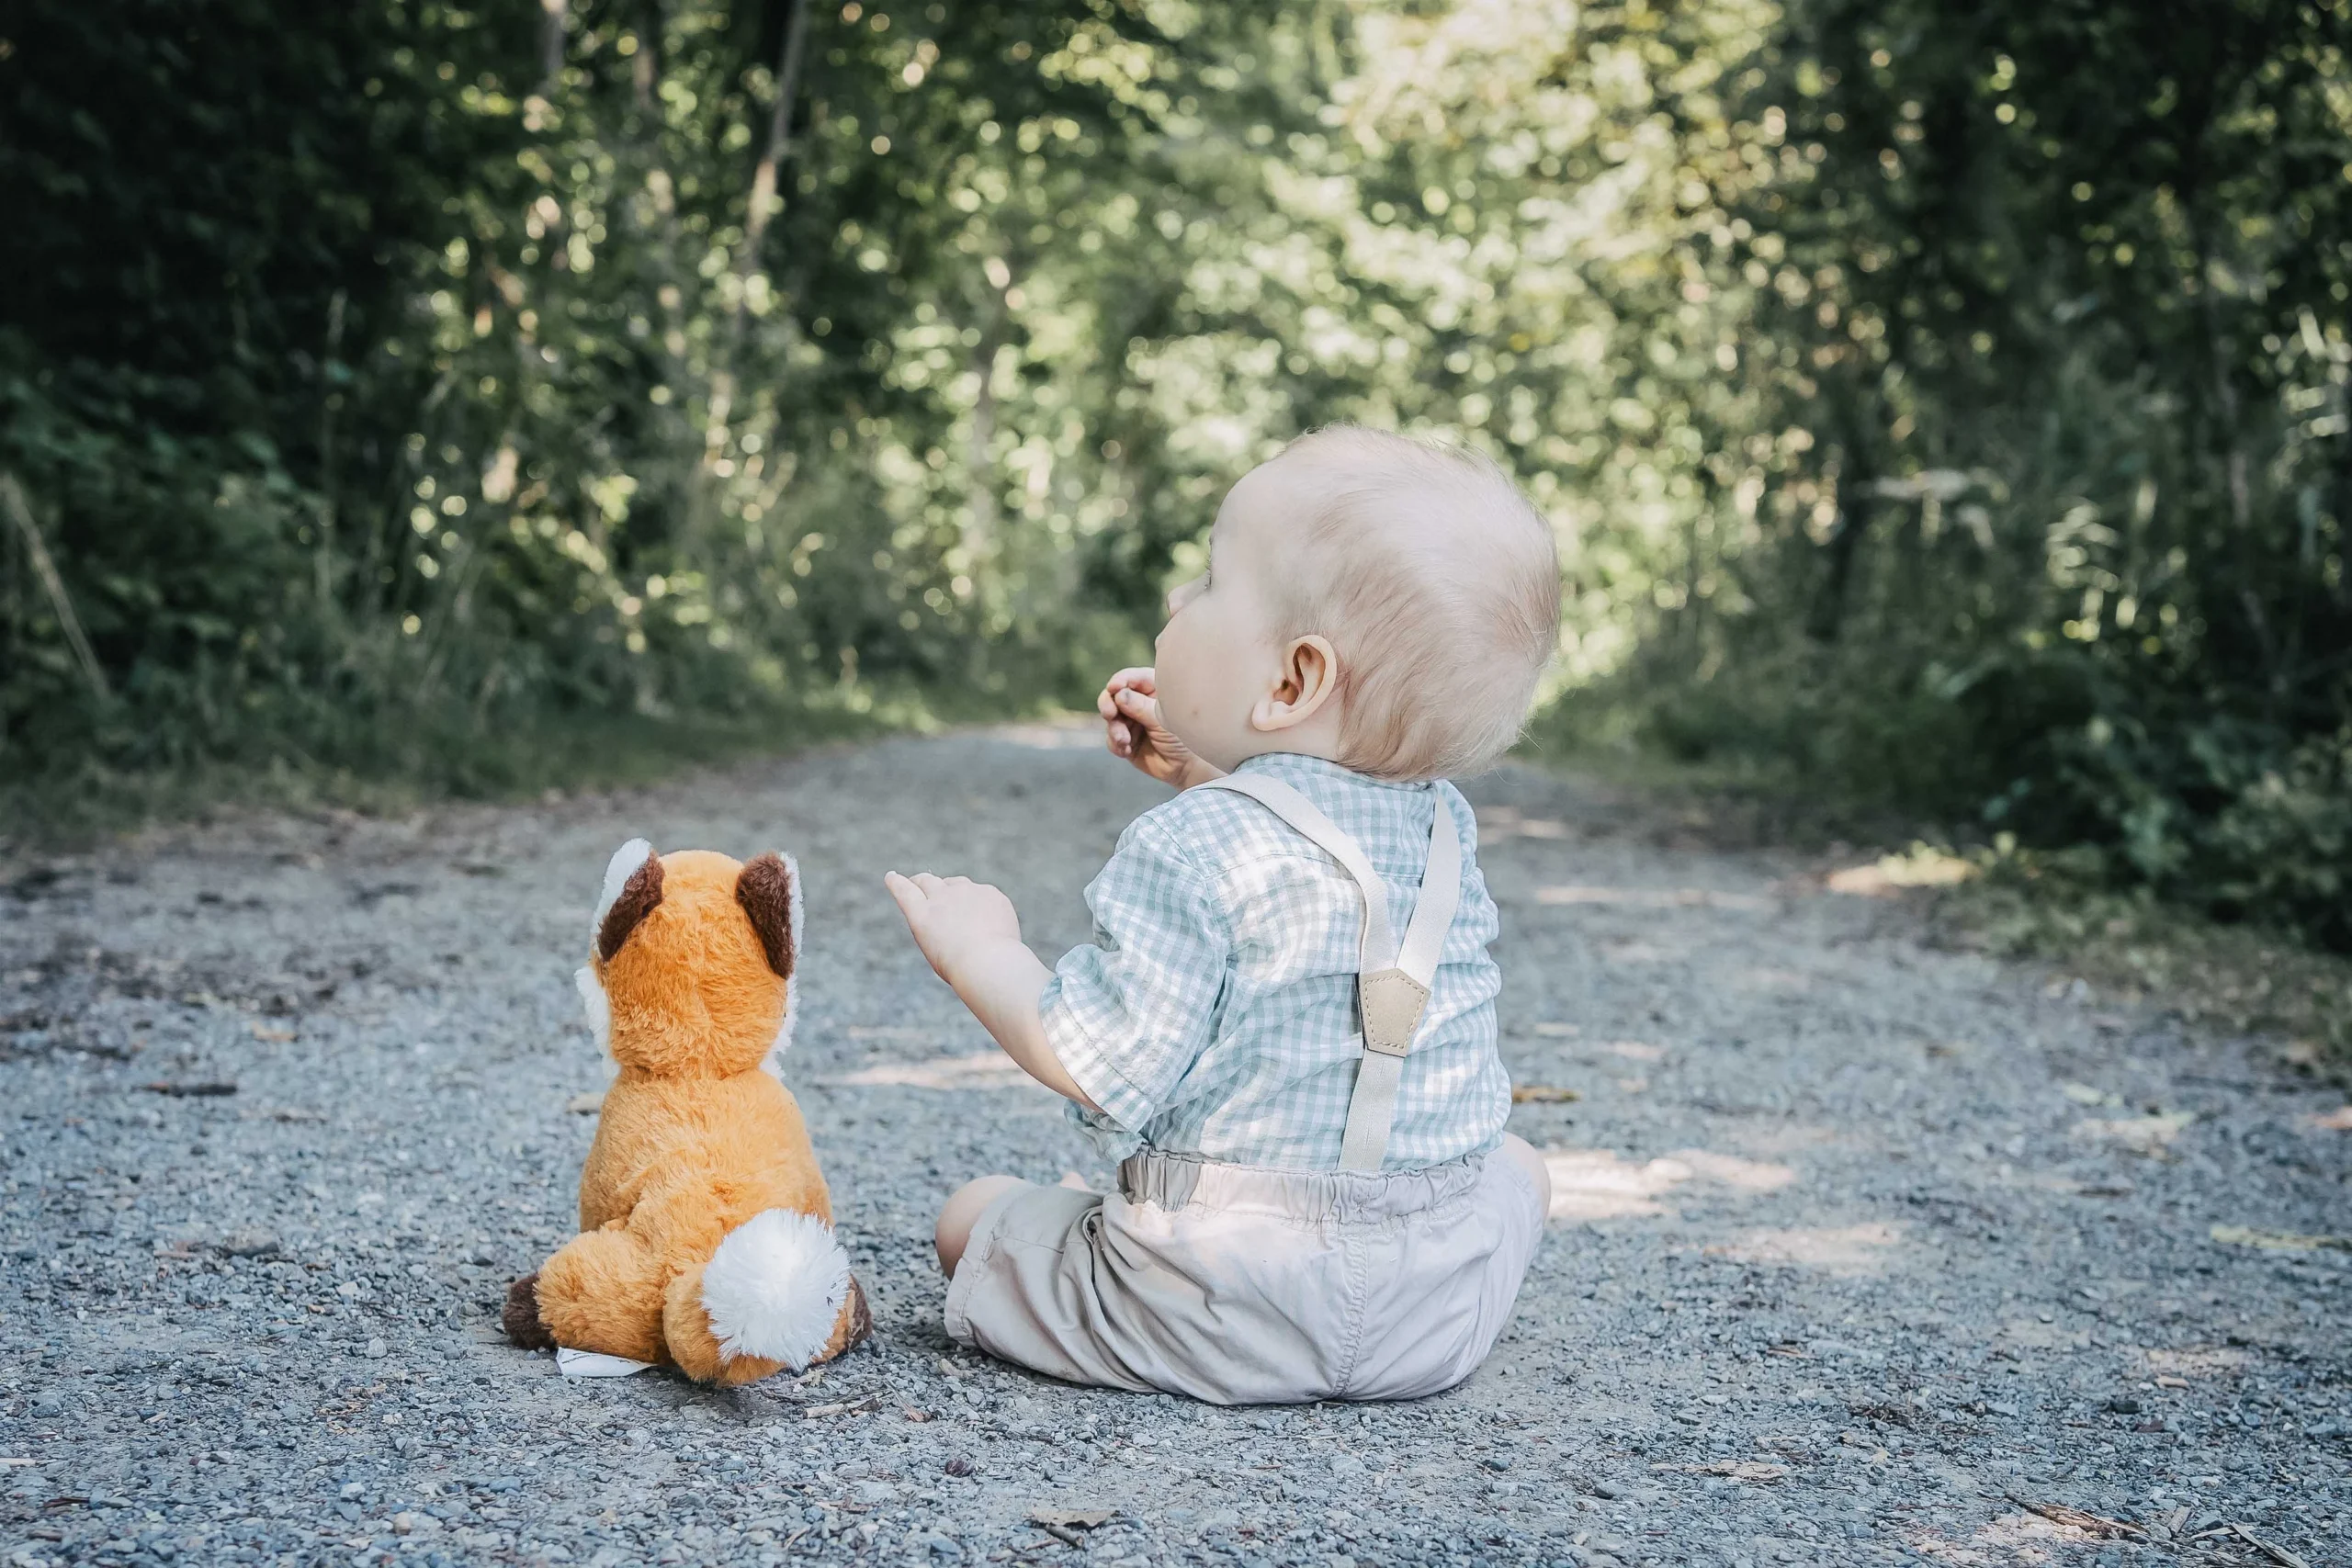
706	1236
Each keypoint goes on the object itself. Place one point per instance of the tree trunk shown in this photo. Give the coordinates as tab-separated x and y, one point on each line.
12	501
979	460
764	202
551	28
764	206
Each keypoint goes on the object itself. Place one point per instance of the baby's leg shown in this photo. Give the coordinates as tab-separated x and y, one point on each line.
962	1211
1515	1148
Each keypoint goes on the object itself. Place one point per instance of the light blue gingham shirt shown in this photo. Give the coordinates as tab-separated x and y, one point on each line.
1214	1011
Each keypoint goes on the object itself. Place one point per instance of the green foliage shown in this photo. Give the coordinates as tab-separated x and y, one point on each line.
406	377
205	203
2051	326
1941	405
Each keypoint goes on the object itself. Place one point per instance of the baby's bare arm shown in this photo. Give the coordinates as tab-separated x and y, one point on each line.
971	934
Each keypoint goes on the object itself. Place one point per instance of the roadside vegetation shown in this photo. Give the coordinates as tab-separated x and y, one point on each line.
1944	409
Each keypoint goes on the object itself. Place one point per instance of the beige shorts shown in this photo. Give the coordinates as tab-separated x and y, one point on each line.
1243	1286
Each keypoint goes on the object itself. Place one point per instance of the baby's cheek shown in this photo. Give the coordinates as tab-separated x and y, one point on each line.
1180	706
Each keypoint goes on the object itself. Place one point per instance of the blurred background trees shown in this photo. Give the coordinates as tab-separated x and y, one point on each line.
2054	296
1939	404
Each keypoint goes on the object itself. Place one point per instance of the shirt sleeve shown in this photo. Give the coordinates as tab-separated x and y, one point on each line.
1130	1012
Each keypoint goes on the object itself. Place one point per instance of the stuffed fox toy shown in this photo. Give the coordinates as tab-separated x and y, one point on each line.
707	1232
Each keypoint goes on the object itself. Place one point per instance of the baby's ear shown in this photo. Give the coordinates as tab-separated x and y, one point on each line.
769	889
632	891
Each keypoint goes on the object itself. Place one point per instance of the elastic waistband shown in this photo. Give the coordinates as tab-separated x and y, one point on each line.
1174	1180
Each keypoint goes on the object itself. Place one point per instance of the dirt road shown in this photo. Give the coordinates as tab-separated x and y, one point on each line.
1864	1252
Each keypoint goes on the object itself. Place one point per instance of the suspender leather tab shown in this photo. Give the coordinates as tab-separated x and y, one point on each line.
1392	1002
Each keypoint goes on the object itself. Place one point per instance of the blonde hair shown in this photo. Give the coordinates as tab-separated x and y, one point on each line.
1439	586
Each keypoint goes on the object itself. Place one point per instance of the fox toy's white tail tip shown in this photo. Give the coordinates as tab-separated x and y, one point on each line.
775	1288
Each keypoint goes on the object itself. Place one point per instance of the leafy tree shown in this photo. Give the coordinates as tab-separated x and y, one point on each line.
211	213
2055	295
1943	402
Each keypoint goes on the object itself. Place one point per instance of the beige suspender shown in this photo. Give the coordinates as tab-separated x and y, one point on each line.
1393	978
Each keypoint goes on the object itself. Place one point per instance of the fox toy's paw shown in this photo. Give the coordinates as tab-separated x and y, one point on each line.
521	1316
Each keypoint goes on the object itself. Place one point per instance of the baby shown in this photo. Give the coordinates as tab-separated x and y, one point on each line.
1285	1028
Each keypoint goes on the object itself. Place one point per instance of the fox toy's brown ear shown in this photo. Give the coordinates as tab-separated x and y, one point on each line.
770	893
637	898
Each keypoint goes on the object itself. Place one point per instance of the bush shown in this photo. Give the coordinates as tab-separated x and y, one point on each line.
2051	540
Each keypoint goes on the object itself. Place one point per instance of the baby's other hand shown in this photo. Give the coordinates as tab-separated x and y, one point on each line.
1129	704
954	918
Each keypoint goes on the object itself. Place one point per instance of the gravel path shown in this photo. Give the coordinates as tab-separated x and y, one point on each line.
1863	1248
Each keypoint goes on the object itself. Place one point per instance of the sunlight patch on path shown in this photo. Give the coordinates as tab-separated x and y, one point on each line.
1843	1249
1595	1184
2029	1538
2201	1361
1763	977
1497	823
1652	898
2140	1134
991	1069
1893	875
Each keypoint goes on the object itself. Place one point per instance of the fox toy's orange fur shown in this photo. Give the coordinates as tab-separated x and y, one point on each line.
706	1235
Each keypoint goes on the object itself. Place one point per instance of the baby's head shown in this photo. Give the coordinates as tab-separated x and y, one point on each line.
1385	603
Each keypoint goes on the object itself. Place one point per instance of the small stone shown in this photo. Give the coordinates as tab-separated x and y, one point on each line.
1607	1489
942	1548
1496	1461
957	1465
2123	1405
375	1349
251	1244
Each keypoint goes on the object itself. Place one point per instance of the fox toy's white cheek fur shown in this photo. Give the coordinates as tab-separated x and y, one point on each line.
774	1062
599	1007
617	870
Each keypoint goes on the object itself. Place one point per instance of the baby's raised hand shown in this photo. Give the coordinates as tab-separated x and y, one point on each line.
1129	704
955	920
972	937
